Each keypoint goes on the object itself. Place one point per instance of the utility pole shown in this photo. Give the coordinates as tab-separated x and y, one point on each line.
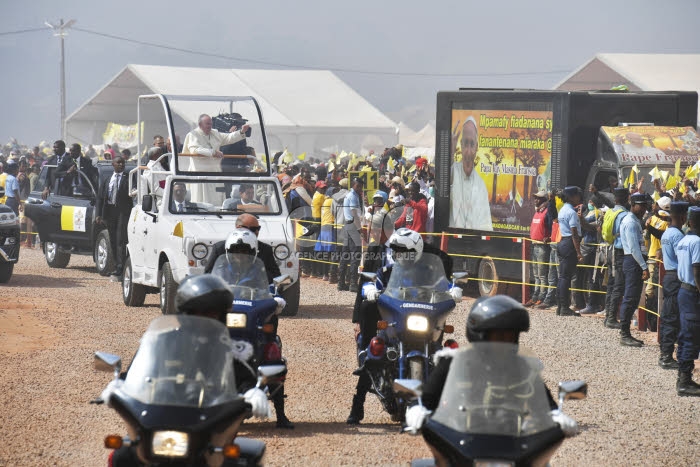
60	31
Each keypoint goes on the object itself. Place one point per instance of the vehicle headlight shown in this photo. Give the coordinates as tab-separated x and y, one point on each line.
493	463
236	320
200	250
170	443
417	323
281	252
8	218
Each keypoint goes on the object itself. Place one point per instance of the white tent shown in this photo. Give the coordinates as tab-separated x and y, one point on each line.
640	72
304	110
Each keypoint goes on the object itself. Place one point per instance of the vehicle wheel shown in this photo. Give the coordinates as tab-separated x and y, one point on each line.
291	296
104	258
6	272
168	289
133	294
490	286
416	369
54	257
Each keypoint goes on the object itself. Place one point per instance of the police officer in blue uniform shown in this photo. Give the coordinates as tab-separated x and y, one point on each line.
688	253
634	265
616	279
670	321
569	248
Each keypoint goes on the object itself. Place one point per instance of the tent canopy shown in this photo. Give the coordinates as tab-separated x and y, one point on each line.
304	110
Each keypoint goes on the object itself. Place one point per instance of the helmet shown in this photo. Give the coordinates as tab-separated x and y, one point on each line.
242	240
497	312
405	241
204	295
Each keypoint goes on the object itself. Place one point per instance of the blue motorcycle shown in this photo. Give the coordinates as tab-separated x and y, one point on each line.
413	307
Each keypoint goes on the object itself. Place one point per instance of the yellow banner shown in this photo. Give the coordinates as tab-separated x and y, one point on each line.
126	136
73	218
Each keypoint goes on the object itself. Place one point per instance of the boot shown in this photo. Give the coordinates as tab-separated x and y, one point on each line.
685	386
353	279
667	362
566	311
357	413
282	420
333	275
627	339
610	321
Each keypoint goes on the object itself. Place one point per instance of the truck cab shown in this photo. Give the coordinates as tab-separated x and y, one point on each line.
188	198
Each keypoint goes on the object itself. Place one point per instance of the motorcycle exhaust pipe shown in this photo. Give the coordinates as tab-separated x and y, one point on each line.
392	354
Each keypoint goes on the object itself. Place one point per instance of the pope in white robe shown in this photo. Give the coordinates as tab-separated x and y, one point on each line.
469	199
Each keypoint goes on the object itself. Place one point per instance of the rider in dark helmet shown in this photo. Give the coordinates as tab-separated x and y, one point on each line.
204	295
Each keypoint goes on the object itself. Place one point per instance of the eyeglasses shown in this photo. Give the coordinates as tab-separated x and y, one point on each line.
254	229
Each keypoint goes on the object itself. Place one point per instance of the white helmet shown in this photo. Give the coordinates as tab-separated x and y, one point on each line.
242	240
405	241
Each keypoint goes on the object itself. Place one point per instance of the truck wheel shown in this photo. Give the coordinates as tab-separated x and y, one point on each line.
104	259
490	286
133	294
291	296
54	257
168	289
6	272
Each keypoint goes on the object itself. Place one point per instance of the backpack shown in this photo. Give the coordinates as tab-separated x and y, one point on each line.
609	224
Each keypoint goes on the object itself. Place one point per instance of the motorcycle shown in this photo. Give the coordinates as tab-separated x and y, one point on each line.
252	324
414	307
494	410
179	398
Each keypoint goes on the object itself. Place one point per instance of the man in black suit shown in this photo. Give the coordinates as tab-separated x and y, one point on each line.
113	208
179	203
67	171
59	153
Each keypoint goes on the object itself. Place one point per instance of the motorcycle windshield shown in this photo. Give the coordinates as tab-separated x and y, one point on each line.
184	361
422	281
495	389
245	274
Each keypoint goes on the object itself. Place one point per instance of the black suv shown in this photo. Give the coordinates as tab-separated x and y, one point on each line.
66	223
9	240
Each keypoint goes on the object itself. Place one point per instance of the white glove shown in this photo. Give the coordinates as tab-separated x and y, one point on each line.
456	293
415	417
568	425
258	401
281	303
371	293
107	392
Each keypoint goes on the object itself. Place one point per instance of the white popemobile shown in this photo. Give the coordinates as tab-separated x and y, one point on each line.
187	200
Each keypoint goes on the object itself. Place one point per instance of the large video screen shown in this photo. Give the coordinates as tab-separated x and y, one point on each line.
500	159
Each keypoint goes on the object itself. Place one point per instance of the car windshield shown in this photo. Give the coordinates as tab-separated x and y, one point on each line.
183	361
245	274
494	388
420	281
224	197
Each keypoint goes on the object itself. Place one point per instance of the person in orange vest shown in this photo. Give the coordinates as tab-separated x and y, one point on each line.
540	234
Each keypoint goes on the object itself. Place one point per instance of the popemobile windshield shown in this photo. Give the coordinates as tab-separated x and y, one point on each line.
188	195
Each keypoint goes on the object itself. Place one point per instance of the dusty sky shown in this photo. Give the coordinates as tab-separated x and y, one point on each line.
482	44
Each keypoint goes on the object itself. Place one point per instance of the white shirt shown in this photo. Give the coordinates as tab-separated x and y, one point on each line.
196	142
153	179
113	187
469	200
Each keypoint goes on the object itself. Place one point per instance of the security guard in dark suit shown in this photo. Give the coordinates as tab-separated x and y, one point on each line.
634	265
688	253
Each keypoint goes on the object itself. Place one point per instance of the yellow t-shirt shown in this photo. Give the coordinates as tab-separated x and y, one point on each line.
327	212
3	176
655	243
316	204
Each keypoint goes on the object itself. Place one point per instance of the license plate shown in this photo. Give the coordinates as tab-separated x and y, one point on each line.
236	320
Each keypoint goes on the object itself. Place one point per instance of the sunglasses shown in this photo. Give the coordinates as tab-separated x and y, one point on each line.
254	229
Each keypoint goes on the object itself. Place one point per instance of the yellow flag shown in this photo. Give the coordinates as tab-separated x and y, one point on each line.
678	168
287	157
367	168
656	196
301	156
655	173
403	151
331	167
630	180
392	164
342	156
682	188
671	182
635	169
412	169
691	172
664	174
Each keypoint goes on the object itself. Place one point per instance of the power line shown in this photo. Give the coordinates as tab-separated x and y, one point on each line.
21	31
309	67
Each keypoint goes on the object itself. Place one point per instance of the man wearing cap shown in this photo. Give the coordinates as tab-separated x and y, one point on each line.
352	244
670	322
688	254
569	248
540	234
634	266
655	227
616	278
379	228
314	228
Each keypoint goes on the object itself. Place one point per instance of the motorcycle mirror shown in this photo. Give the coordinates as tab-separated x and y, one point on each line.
575	389
284	279
460	276
266	372
108	362
411	387
370	276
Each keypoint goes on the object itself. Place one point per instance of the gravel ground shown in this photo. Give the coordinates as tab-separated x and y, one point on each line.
51	321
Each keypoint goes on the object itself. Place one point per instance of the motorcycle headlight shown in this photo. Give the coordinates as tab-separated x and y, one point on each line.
281	252
170	443
493	463
417	323
8	218
199	251
236	320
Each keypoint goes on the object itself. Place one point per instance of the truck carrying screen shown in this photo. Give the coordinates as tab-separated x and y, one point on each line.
499	159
